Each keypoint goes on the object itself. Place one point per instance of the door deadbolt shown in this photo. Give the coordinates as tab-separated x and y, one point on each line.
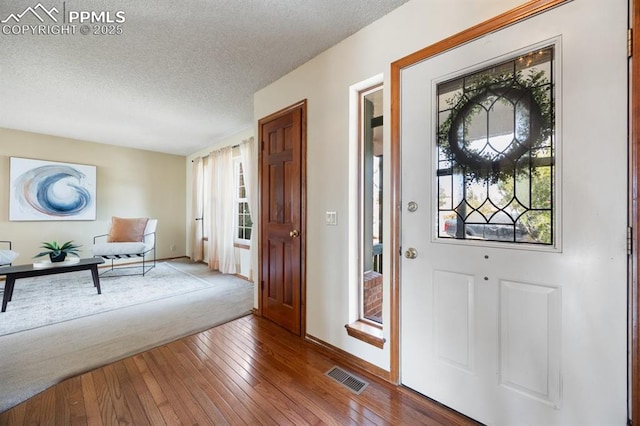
412	206
411	253
294	234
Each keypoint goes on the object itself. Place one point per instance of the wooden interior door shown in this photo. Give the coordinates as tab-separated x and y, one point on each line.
282	176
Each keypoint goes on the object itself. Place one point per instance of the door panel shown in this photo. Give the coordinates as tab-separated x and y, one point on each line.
281	225
512	333
530	318
453	316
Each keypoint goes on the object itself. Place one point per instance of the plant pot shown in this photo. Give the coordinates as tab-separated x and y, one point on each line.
59	258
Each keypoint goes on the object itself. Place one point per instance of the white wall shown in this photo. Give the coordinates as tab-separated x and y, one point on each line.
324	81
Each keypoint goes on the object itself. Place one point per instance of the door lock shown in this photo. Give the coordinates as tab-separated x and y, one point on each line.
294	234
411	253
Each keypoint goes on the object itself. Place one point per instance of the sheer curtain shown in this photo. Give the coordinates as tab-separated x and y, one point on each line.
222	231
247	156
197	210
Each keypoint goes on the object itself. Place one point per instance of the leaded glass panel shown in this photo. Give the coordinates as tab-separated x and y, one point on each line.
495	145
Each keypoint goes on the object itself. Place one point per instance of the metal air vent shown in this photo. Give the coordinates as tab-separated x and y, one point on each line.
351	382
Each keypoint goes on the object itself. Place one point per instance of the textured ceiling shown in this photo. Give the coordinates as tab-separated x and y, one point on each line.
179	78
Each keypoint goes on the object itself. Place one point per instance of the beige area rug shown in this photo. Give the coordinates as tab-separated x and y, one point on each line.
35	359
51	299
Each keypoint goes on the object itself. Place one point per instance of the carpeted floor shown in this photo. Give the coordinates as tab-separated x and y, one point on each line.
51	299
32	360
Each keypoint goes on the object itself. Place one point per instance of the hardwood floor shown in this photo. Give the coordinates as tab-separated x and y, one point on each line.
248	371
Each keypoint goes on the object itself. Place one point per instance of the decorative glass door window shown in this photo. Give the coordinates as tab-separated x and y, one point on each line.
495	147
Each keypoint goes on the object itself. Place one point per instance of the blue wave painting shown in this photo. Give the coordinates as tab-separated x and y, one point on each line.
51	191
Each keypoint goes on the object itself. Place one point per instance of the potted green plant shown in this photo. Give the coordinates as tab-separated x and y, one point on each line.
56	252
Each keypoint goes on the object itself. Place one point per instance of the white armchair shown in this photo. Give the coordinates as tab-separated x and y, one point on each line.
128	238
7	256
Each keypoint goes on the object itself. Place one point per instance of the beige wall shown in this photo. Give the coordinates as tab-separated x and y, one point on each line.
325	82
130	183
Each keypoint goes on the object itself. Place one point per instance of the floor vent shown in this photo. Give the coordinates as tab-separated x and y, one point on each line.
353	383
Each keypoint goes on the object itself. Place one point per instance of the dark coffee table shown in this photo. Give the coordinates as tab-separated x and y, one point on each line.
27	271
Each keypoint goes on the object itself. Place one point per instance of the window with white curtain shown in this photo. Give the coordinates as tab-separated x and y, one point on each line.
243	224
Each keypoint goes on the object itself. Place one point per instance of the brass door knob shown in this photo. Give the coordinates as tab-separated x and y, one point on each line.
411	253
294	234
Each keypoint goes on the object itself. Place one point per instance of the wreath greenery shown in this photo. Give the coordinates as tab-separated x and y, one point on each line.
531	95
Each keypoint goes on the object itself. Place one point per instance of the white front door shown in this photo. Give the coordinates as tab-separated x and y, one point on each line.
501	326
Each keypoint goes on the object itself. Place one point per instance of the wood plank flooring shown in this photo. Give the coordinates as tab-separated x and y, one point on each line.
248	371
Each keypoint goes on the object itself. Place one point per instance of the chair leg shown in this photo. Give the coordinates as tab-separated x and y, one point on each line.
146	266
147	269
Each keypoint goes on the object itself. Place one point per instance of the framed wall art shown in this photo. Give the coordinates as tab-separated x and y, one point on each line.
48	190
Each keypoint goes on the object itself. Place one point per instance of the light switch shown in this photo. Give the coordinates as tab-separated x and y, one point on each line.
332	218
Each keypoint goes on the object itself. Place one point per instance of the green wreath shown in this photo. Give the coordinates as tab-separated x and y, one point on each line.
531	103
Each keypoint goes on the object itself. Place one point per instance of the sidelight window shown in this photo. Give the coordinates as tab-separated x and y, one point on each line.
366	219
371	173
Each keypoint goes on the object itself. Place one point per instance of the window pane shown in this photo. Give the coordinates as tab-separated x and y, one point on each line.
243	215
371	200
495	152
